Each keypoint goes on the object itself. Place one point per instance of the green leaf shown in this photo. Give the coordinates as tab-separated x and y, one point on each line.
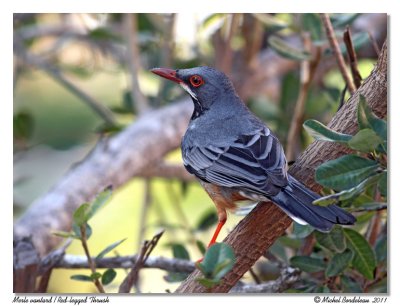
207	220
348	194
345	172
381	249
179	251
312	24
218	260
222	268
365	217
350	285
364	257
100	200
382	184
365	140
301	231
367	119
81	277
109	248
108	276
201	246
22	125
334	240
95	275
81	214
287	51
338	263
321	132
308	264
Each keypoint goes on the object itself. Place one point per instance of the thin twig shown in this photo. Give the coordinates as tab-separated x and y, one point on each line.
374	43
69	261
91	262
336	50
133	61
308	69
352	57
133	275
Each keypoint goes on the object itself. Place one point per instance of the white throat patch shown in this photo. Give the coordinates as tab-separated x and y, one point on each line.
188	90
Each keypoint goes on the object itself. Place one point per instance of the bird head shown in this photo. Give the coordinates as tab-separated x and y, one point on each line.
205	85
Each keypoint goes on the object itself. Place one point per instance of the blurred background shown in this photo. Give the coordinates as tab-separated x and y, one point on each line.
80	77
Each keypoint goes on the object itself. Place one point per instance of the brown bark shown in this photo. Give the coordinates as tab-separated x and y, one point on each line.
259	230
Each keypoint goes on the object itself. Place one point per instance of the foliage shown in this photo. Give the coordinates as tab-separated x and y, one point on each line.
218	260
347	257
82	231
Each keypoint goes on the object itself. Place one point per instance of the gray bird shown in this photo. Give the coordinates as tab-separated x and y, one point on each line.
235	155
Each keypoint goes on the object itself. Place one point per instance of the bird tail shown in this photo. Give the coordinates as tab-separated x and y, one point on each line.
296	200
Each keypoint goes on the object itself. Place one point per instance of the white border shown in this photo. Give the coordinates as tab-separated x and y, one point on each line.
287	6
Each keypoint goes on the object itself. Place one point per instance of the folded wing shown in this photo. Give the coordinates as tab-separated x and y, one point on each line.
254	163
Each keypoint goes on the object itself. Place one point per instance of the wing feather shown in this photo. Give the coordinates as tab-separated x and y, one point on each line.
253	162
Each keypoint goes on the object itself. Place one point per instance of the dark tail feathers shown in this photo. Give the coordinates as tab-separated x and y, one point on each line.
296	200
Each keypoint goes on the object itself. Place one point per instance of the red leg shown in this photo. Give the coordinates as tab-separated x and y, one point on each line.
222	220
216	233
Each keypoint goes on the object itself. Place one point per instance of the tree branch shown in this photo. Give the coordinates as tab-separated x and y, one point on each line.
133	276
121	262
330	33
113	161
351	52
266	222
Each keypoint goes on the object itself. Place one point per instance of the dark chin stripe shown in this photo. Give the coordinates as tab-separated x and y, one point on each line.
198	109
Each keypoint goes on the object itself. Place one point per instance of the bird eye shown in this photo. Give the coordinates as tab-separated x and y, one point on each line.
196	80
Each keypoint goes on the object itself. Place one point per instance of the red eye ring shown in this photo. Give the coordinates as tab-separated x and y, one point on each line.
196	80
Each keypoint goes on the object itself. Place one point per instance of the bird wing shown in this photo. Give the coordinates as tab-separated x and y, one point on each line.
255	163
